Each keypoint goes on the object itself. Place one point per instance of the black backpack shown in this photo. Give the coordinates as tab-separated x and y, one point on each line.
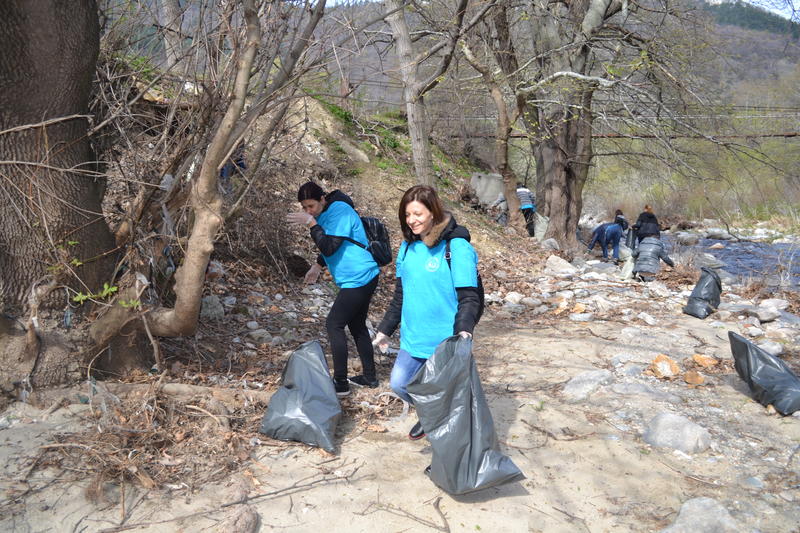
378	240
481	296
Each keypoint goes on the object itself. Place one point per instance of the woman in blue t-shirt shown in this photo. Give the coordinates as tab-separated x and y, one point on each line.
334	224
434	297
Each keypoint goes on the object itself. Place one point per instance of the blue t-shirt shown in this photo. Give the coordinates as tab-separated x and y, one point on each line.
430	301
351	265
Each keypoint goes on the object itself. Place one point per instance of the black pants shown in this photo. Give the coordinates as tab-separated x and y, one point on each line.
350	309
529	220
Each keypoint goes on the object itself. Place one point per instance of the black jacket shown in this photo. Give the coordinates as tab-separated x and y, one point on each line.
328	244
647	225
468	298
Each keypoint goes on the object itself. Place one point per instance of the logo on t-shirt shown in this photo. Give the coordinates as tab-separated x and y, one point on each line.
432	265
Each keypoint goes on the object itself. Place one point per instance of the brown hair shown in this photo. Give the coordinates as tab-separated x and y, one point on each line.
648	208
425	195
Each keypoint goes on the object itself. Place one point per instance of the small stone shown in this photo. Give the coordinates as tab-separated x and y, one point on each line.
647	319
754	332
581	386
771	347
531	302
581	317
252	325
775	303
717	246
211	308
703	515
514	297
669	430
767	314
276	341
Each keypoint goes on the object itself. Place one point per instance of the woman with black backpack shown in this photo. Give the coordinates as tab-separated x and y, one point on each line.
437	293
339	234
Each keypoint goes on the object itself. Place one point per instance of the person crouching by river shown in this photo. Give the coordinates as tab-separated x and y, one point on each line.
332	220
435	297
648	257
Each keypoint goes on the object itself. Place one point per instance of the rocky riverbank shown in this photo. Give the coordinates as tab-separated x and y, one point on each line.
624	414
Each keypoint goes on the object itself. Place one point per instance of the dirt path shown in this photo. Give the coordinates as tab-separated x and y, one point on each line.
586	465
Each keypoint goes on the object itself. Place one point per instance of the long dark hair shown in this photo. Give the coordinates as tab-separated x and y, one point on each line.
425	195
310	191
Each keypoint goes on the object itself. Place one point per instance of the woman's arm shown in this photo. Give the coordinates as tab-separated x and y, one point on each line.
469	303
327	244
395	311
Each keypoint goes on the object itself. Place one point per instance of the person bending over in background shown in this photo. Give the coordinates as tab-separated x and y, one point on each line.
647	224
434	298
648	255
332	218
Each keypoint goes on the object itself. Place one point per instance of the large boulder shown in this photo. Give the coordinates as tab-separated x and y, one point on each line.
487	187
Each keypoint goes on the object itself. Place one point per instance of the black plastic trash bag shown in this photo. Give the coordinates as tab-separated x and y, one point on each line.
305	408
770	380
630	238
456	418
704	299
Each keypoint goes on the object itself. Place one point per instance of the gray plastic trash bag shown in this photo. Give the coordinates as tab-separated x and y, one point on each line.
704	299
456	418
770	380
305	408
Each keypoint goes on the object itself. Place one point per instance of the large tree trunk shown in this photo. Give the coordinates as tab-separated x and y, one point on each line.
415	104
52	230
562	165
171	17
51	220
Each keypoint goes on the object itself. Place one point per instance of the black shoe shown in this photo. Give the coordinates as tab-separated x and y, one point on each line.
342	388
428	470
416	432
363	381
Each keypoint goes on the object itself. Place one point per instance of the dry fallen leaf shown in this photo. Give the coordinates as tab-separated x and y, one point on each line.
663	367
579	308
375	428
704	360
692	377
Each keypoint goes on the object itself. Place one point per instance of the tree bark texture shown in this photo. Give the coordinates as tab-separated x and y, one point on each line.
50	210
415	105
562	165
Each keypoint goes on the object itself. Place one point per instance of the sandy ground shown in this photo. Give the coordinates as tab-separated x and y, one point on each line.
586	466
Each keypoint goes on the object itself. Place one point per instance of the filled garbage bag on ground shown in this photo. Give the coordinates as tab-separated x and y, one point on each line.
453	411
305	407
770	380
704	299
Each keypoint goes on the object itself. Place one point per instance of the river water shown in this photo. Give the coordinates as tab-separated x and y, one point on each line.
777	263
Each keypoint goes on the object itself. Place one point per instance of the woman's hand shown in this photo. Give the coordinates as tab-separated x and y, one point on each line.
381	341
301	218
313	274
465	334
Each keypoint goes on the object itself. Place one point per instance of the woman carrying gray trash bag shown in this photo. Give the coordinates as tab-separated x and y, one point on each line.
332	220
435	297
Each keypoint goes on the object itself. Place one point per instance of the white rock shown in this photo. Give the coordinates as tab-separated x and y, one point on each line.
704	515
771	347
775	303
556	265
647	319
581	386
669	430
514	297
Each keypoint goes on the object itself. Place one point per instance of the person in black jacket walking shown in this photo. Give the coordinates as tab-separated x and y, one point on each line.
647	224
435	296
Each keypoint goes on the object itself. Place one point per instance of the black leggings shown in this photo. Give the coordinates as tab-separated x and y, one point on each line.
350	309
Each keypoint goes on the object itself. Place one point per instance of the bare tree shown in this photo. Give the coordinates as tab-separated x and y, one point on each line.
440	39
